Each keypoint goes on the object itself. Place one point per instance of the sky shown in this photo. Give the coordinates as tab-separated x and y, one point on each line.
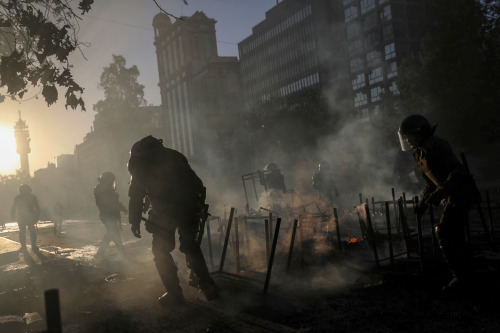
120	27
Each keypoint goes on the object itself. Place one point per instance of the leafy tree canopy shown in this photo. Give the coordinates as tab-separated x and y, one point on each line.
455	79
36	38
121	89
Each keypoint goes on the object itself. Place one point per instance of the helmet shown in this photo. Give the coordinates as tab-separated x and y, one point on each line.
271	167
324	165
106	177
143	152
417	126
24	189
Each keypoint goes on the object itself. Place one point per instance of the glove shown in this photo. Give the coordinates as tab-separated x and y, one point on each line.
420	208
436	196
136	229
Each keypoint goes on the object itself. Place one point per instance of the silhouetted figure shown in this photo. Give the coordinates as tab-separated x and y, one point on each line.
57	217
175	196
110	207
27	211
446	181
323	182
273	179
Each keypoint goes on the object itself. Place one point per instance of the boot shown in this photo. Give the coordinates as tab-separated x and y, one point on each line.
209	289
172	298
457	262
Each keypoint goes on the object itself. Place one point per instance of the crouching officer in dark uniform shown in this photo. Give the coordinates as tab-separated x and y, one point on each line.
447	181
163	178
110	207
27	211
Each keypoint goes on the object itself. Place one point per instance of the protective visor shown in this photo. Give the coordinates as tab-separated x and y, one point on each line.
405	146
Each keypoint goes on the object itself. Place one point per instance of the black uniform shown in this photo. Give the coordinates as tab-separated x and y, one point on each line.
446	179
27	211
110	207
164	178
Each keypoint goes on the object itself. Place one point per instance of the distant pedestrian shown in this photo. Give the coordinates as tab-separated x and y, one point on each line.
110	208
27	212
57	217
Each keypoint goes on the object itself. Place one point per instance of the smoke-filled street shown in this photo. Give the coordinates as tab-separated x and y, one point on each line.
341	293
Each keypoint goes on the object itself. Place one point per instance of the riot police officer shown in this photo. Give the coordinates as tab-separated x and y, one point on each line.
110	207
323	182
27	211
445	181
273	179
175	196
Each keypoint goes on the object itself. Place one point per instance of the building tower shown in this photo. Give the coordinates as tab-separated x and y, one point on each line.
22	135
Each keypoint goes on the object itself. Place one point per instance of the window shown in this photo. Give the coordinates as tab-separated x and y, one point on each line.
385	14
348	2
356	64
373	38
350	13
390	51
370	22
387	33
359	81
376	75
353	30
375	93
366	5
355	47
373	58
360	99
392	70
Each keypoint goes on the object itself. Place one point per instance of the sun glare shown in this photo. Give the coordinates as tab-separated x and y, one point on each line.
9	159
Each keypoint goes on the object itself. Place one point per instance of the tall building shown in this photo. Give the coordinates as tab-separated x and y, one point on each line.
22	134
200	91
379	34
299	44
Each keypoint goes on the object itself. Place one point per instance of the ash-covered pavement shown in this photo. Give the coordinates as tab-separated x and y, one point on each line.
119	294
114	295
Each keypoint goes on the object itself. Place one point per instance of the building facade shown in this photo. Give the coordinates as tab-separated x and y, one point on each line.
299	44
379	34
200	91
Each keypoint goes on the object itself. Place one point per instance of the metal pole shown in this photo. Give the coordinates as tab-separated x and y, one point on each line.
398	227
404	225
490	217
360	199
337	227
237	247
53	311
372	234
420	236
270	226
301	240
255	189
246	195
273	251
389	233
209	239
226	241
290	251
266	226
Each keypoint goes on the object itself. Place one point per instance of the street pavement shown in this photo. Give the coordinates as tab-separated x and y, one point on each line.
115	294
